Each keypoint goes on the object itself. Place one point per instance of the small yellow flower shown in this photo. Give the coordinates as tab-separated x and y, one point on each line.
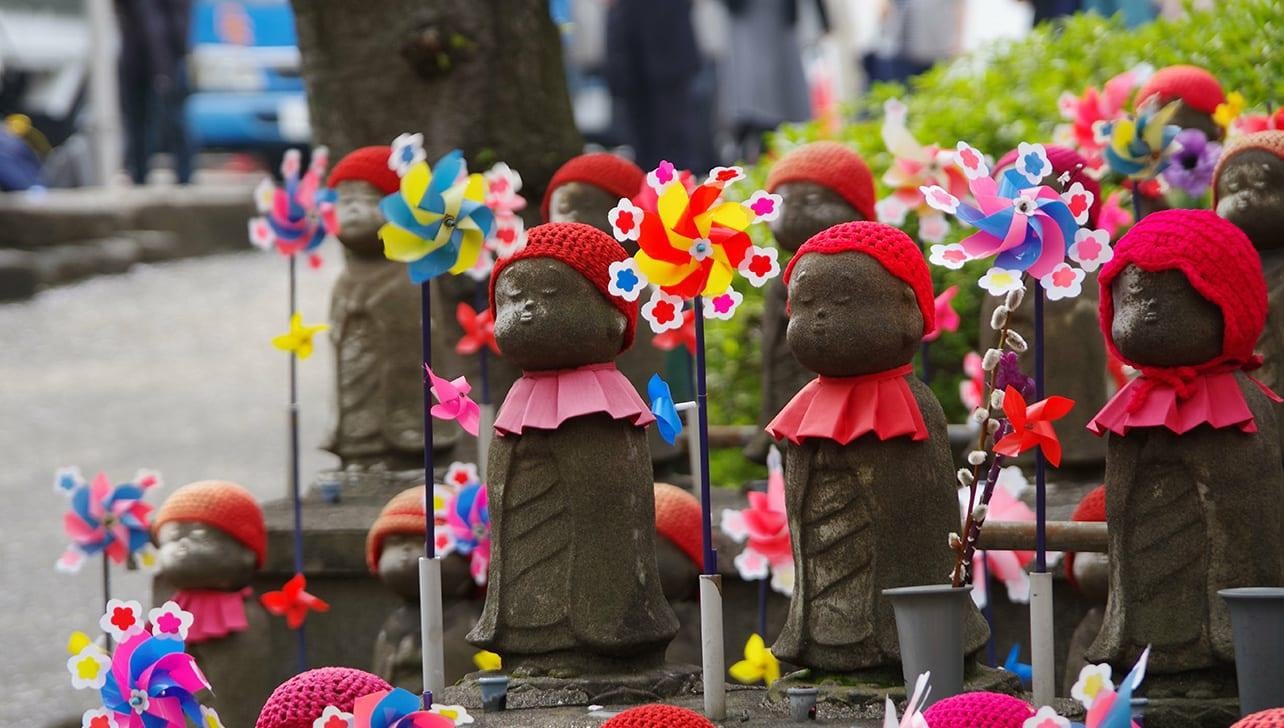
487	660
88	666
210	718
759	664
298	340
1230	110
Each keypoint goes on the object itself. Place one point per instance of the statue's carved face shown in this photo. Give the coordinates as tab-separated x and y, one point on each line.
849	316
548	316
195	555
1162	321
1250	193
359	218
806	209
583	202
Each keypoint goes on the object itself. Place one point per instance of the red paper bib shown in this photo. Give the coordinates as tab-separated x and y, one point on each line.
1180	399
544	400
844	408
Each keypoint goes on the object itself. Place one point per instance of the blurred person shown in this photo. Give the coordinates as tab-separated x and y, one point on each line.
1045	10
915	35
651	64
762	82
153	83
1135	12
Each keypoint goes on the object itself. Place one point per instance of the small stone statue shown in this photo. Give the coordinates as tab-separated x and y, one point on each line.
1089	574
212	540
1194	485
584	190
573	584
374	314
821	185
393	548
870	489
1074	352
1198	92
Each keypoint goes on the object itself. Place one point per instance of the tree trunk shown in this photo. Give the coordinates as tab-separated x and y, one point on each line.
484	76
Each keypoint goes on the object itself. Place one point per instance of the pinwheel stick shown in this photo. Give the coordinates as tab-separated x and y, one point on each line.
295	497
481	301
430	617
1041	645
711	635
106	590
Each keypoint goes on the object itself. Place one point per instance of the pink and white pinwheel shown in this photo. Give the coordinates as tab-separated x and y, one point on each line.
915	166
1007	567
104	518
454	402
947	319
297	217
765	528
152	683
1087	111
469	519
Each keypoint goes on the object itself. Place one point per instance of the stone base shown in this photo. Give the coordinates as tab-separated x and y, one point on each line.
1190	712
655	685
871	687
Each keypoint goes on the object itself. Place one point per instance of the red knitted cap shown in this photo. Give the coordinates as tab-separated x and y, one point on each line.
367	164
403	514
978	710
1271	142
1065	160
299	701
584	248
616	175
886	244
657	715
1092	509
1194	85
1273	718
831	165
1218	260
677	518
221	504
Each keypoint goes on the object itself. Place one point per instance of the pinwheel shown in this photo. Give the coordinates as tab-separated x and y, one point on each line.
293	602
1095	107
438	220
295	218
1139	147
109	519
1024	225
479	330
153	684
397	709
664	409
469	518
298	340
1032	425
913	167
454	402
759	665
913	707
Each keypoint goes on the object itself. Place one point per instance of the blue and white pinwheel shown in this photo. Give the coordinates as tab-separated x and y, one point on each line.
153	684
666	414
295	218
438	221
104	518
398	708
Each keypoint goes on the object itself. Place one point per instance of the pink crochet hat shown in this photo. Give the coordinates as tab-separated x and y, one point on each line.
978	710
299	701
1273	718
1216	257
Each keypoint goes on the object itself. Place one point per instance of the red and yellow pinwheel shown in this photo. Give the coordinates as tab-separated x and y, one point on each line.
1032	425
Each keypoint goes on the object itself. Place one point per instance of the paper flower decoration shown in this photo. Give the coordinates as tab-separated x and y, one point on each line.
438	219
298	340
469	519
1025	226
295	218
479	330
460	474
104	518
456	713
682	335
454	402
1008	567
333	717
759	665
170	621
1046	717
123	619
152	683
913	167
210	719
947	319
1229	110
397	708
488	661
663	312
1091	249
760	265
1139	148
664	409
913	707
1192	164
695	241
293	602
89	665
626	281
764	529
508	235
1093	680
1032	425
1086	111
723	306
98	718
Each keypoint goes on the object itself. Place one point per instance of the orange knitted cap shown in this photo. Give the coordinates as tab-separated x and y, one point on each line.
831	165
1273	718
616	175
1092	509
1198	88
585	249
677	518
367	164
657	715
1266	141
221	504
404	514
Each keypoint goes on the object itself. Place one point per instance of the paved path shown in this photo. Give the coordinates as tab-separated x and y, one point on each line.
167	367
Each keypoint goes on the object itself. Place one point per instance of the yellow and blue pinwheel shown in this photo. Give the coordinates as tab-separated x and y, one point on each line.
438	221
1139	148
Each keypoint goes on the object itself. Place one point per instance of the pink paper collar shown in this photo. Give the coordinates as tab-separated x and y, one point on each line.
844	408
216	613
544	400
1181	399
